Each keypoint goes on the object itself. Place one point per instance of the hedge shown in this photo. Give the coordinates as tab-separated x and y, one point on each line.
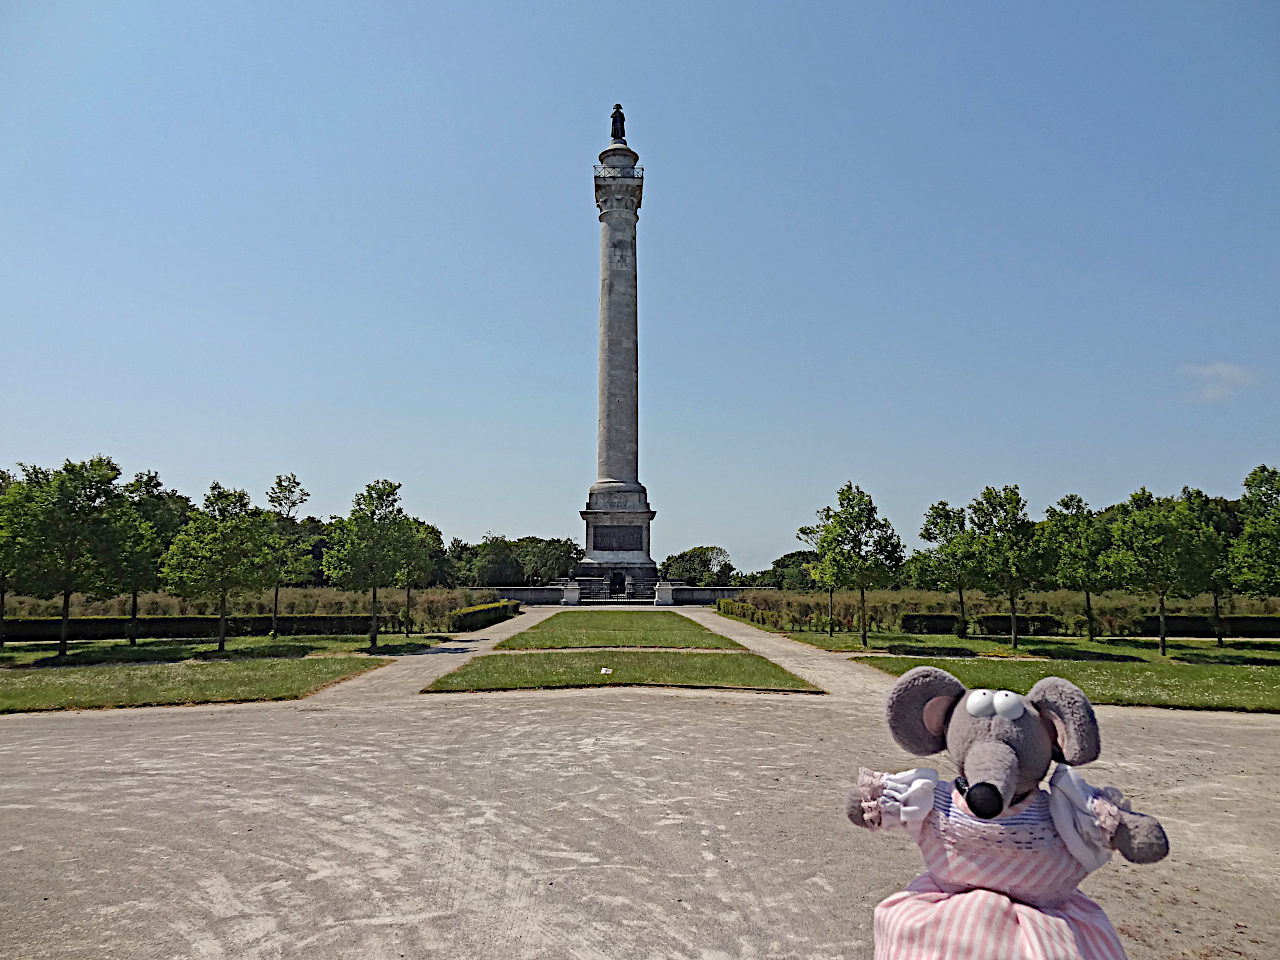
935	623
480	616
1029	625
1183	625
189	628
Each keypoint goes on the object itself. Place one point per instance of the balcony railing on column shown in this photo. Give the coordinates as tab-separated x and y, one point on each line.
622	173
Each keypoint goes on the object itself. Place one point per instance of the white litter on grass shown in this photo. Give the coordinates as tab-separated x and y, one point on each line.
606	669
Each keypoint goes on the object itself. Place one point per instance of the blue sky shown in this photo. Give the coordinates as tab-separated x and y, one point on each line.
924	247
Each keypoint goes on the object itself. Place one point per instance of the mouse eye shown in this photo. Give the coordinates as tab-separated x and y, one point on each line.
980	703
1009	705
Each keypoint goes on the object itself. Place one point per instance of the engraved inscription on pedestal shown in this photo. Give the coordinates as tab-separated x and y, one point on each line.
618	536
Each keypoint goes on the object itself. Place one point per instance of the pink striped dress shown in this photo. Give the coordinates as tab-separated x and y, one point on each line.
1002	889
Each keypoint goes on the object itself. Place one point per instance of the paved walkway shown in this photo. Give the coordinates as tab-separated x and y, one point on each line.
606	824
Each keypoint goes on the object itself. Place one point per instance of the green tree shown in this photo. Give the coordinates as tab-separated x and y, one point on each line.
546	560
953	558
698	567
1009	552
289	557
67	532
1077	538
1158	547
1255	554
220	553
422	562
856	548
8	540
460	563
1221	523
496	563
826	575
365	547
152	519
790	571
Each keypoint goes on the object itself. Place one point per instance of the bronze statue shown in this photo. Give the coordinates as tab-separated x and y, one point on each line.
619	131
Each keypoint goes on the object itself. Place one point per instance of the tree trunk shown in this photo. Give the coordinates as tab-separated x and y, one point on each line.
66	623
133	619
1088	616
407	618
862	611
964	621
373	621
1217	618
831	612
1013	620
1162	630
4	589
275	609
222	621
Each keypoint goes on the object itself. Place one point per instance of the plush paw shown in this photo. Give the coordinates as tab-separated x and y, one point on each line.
1140	839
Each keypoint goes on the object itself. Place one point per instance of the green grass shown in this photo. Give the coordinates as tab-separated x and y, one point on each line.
516	671
598	628
1151	684
92	652
157	684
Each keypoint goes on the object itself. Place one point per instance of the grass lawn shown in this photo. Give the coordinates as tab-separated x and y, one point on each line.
1153	684
515	671
156	684
92	652
627	628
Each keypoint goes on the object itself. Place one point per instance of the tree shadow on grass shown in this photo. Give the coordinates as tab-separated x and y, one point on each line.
406	647
1226	660
926	650
1075	653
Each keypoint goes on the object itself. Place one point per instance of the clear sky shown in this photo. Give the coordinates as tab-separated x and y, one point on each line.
921	246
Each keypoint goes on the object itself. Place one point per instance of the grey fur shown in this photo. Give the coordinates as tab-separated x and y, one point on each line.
905	708
1069	715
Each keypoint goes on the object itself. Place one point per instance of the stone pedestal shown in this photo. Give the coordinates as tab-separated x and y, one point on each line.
662	595
617	513
572	595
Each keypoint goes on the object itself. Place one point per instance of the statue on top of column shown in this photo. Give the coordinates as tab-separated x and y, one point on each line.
618	133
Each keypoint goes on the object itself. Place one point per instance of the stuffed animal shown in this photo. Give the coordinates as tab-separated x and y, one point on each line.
1003	854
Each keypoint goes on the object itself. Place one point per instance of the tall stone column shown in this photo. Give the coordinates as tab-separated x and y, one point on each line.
618	512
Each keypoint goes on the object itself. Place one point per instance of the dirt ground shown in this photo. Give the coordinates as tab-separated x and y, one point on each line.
371	821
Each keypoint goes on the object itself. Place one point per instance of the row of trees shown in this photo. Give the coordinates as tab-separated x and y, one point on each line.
1158	546
80	529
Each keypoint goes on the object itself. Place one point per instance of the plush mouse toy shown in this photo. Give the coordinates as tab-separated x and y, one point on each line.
1003	854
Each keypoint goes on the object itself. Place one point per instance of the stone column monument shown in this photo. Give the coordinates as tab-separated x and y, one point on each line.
618	512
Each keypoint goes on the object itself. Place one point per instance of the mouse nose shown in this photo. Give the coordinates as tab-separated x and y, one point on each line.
984	800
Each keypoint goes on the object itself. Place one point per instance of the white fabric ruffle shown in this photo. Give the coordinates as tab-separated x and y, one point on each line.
1085	817
897	800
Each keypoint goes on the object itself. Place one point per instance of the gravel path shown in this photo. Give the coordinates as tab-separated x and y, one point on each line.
368	821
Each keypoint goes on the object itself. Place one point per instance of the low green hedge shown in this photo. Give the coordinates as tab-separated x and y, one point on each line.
931	623
184	628
1182	625
1029	624
480	616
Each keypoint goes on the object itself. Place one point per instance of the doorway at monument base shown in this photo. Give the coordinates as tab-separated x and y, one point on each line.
602	581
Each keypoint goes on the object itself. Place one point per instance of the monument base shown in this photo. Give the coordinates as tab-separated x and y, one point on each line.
617	561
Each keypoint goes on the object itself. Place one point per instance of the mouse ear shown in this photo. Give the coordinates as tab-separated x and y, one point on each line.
1068	716
919	706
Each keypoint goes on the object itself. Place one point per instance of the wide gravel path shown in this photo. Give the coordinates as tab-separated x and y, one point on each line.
371	822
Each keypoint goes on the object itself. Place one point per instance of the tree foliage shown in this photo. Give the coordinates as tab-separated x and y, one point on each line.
856	547
1010	556
1160	547
366	547
1254	557
1075	539
706	566
953	561
221	553
542	561
67	530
